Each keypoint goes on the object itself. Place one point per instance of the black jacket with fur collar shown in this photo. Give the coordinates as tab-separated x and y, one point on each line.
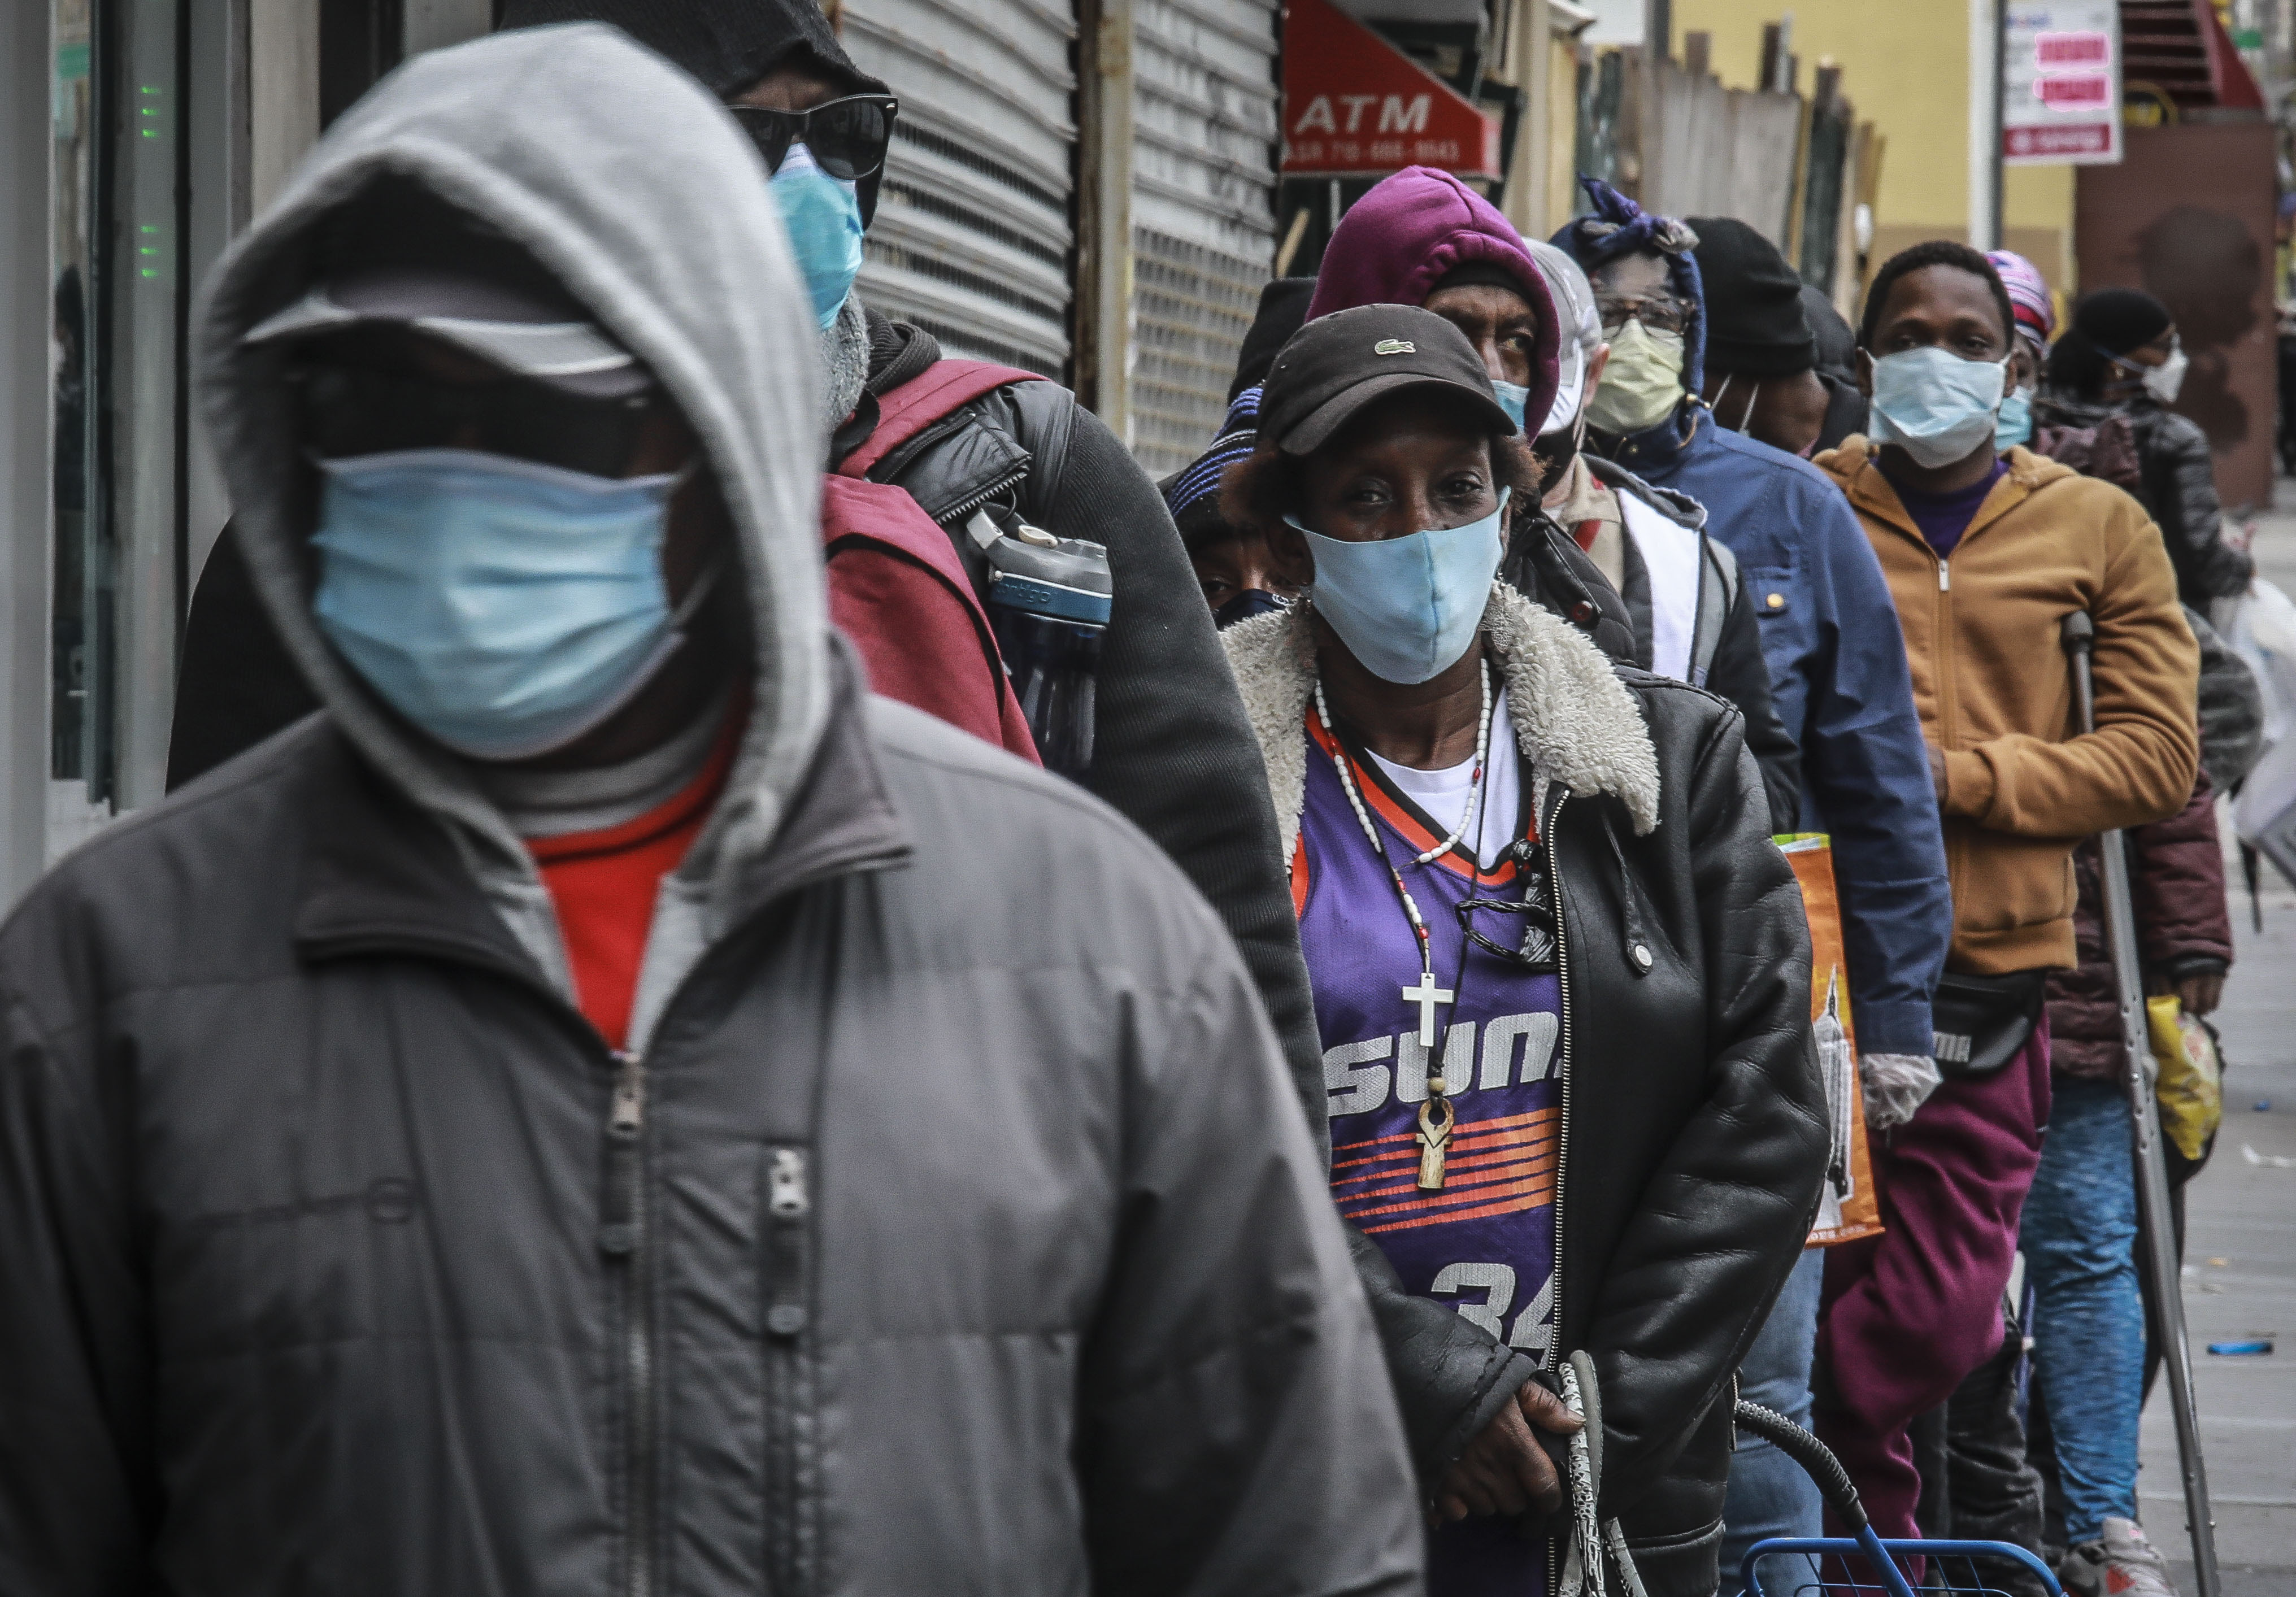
1693	1134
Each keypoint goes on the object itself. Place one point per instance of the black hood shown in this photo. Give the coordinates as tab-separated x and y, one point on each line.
728	43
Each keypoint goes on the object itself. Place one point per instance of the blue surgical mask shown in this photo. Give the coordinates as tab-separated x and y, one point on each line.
504	607
823	216
2014	424
1407	608
1935	405
1511	397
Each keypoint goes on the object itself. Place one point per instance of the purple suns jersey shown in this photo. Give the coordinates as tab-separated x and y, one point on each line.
1485	1243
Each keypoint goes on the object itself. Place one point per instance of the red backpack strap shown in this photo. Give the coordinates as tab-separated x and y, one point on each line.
897	590
923	400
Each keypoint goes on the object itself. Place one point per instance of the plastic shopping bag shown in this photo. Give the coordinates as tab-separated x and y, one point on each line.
1849	1209
2190	1086
2260	626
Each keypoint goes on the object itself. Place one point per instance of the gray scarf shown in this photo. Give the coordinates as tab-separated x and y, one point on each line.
844	363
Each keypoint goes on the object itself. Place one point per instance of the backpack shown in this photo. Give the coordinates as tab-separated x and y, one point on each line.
899	586
2106	451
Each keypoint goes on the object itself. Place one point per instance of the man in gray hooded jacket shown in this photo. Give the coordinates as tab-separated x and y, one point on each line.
917	1203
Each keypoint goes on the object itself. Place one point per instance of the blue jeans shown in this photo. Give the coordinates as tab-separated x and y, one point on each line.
2079	1237
1770	1495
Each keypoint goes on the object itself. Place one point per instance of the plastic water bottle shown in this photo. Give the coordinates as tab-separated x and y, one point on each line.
1049	600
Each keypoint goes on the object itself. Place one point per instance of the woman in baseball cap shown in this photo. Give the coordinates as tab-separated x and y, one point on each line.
1553	951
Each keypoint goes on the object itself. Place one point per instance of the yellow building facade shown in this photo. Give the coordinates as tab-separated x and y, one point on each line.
1905	67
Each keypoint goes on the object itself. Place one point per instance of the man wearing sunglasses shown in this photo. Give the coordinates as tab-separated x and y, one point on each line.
608	1104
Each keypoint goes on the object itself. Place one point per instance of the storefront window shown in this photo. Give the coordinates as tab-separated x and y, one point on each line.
117	184
76	767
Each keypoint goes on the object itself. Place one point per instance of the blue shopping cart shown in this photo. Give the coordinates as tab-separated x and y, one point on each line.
1863	1564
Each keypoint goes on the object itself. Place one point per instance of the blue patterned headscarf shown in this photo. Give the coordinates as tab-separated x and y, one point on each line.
1617	226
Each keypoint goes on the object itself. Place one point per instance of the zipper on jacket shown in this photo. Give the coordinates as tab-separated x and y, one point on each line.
1945	575
623	1240
956	514
1562	1134
789	1203
1562	1066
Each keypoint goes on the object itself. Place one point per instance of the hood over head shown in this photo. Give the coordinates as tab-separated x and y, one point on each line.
1837	368
684	263
1834	339
1582	331
728	43
1283	308
1398	242
1618	226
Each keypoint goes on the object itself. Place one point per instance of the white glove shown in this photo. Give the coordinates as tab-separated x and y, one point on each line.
1895	1085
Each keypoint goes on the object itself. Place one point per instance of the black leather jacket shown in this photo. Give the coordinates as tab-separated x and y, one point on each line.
1694	1137
1697	1115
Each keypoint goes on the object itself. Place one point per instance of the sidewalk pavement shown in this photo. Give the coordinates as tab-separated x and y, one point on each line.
2240	1253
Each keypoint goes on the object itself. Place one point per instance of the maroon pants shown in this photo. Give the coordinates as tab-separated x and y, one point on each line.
1907	1316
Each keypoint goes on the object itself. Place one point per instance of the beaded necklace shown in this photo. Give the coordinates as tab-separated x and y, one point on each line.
1434	1126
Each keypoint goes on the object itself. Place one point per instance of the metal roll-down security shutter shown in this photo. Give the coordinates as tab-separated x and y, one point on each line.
971	237
1202	212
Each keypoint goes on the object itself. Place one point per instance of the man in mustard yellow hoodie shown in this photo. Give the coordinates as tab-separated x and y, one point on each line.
1986	554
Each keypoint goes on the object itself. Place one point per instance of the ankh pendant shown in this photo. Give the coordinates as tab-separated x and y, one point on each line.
1434	1137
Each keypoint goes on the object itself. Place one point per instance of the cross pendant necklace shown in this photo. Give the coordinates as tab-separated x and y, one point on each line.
1437	1117
1427	995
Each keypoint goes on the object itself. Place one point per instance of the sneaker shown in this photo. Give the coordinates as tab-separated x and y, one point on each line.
2122	1564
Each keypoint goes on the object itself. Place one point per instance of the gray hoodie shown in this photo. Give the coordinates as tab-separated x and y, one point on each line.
683	261
956	1232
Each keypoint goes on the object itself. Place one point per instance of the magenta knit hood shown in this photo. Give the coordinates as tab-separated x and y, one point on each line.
1416	228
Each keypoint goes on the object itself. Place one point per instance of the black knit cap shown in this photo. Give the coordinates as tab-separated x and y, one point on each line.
1755	326
1283	308
2120	320
728	43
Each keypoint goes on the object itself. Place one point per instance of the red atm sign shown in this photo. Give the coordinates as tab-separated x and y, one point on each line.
1355	106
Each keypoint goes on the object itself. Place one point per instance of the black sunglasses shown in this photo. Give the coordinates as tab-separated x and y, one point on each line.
847	137
353	410
1533	948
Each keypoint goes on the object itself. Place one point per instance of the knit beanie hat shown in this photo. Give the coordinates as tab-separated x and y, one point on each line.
1196	486
2028	296
2120	320
1754	321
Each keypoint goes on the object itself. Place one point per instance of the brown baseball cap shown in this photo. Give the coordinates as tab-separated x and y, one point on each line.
1336	364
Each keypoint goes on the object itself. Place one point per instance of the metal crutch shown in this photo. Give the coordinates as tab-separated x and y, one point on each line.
2079	633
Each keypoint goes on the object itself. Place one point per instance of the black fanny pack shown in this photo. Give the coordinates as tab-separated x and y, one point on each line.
1982	1021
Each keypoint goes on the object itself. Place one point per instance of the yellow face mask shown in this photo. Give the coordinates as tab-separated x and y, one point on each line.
1643	383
